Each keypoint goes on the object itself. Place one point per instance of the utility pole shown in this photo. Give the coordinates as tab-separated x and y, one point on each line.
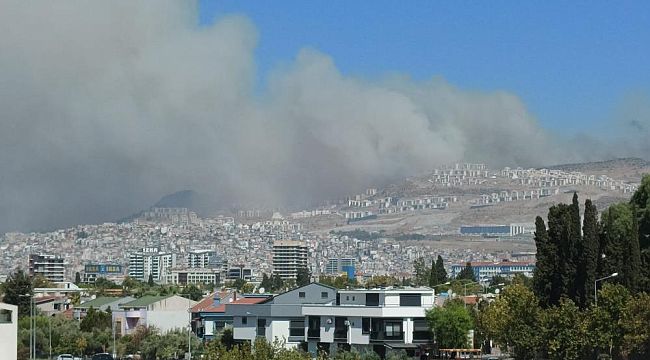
189	331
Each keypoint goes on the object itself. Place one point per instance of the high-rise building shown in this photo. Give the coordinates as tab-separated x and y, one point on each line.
288	257
236	272
202	259
340	265
150	261
51	267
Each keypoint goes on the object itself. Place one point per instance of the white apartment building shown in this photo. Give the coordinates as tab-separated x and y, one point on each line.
339	265
202	259
150	261
192	276
321	317
288	257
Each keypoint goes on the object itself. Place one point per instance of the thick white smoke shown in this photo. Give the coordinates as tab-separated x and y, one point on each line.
106	106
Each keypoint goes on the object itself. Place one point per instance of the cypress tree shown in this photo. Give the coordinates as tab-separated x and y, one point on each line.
590	256
558	232
574	279
467	273
632	254
433	275
442	273
545	264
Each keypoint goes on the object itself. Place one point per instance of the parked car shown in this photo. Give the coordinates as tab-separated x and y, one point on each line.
65	357
103	356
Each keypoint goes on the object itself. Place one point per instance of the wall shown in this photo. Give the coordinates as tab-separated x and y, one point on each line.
9	333
173	303
168	320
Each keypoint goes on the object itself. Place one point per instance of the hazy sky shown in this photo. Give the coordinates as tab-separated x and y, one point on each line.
106	106
572	63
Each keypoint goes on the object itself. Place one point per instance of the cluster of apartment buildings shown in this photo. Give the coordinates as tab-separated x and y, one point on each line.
556	178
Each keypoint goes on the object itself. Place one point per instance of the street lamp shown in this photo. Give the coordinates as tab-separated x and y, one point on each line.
596	285
465	290
189	331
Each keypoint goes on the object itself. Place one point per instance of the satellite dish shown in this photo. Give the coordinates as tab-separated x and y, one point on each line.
261	290
497	291
229	300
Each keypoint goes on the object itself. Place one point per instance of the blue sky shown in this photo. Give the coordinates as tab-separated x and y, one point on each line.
572	63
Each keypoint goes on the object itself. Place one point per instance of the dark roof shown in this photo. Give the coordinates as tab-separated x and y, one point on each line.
98	302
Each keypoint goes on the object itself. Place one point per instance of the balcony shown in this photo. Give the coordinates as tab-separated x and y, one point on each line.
383	336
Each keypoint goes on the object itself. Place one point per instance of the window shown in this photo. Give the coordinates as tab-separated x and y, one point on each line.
393	329
323	295
372	299
297	328
244	320
261	327
410	300
314	327
301	294
353	298
5	316
365	325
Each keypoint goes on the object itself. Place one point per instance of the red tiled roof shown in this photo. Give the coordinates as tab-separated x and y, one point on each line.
46	298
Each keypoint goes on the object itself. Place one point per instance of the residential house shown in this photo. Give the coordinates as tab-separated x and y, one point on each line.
320	318
164	312
102	303
209	315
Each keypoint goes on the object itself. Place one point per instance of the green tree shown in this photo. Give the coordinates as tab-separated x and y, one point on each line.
440	268
574	251
564	332
546	265
606	336
18	291
278	283
421	272
433	275
378	281
513	322
450	324
634	323
620	246
266	283
95	320
303	276
467	273
589	260
193	292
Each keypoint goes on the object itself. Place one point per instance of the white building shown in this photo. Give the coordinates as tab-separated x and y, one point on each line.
319	315
202	259
8	331
192	276
288	257
164	312
150	261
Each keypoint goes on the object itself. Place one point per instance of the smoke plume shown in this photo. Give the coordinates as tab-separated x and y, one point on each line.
106	106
